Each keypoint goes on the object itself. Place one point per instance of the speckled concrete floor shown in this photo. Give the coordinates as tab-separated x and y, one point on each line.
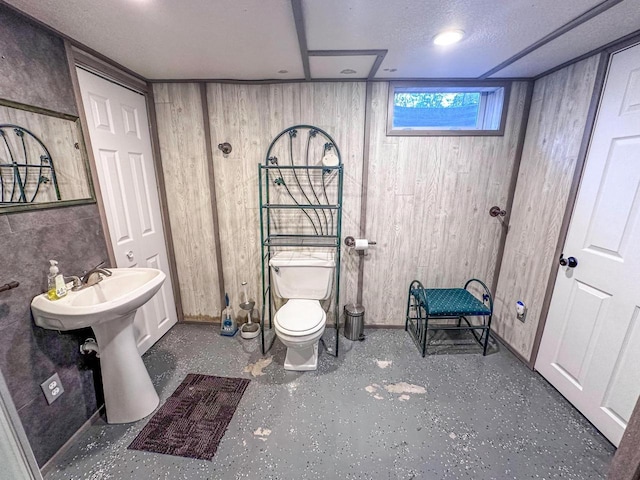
379	411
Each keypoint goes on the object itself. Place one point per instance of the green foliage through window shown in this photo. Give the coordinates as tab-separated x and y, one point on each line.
436	99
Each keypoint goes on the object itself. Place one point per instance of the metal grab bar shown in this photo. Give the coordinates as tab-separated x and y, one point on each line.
9	286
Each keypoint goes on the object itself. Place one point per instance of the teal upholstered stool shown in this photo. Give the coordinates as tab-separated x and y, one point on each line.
425	304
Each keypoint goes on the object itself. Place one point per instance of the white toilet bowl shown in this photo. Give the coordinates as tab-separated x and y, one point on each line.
299	325
304	278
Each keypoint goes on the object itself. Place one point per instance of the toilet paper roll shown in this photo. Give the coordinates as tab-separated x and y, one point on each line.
362	244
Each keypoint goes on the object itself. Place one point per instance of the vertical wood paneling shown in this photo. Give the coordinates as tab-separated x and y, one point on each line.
555	129
249	117
429	199
428	196
235	118
182	145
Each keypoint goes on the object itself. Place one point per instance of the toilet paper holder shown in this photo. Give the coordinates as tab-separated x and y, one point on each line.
352	243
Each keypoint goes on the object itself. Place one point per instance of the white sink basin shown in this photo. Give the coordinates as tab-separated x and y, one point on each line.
109	308
126	290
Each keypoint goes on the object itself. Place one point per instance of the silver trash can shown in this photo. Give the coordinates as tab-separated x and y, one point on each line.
354	321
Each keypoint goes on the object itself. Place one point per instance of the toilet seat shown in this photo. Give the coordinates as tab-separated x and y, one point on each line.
300	317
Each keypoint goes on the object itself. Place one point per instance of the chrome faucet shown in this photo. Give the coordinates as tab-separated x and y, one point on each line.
94	275
77	283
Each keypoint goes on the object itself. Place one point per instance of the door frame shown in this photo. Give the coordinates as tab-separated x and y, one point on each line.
79	58
601	76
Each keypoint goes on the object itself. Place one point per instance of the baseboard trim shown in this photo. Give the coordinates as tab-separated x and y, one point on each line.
47	467
369	325
497	337
201	320
502	342
376	326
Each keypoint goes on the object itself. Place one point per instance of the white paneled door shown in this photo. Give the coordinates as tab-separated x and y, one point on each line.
590	348
121	142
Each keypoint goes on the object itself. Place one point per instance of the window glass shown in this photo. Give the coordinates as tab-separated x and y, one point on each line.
436	109
446	110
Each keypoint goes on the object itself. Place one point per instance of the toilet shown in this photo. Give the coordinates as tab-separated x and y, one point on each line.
303	279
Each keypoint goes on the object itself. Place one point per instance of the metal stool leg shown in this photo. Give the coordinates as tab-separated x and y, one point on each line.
487	333
424	337
406	321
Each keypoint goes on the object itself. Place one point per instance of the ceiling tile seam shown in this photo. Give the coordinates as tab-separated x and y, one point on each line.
376	65
576	22
268	81
345	53
298	18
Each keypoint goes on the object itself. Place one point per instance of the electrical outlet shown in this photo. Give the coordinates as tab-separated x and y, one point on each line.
52	388
521	311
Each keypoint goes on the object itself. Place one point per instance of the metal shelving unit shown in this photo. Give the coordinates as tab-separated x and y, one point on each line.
26	167
300	190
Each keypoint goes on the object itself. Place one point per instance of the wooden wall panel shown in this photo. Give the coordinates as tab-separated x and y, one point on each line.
184	162
554	132
249	117
429	201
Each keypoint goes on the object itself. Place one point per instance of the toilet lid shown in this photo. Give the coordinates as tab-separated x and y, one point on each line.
299	316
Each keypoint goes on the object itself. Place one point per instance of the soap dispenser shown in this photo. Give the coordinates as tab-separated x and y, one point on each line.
56	287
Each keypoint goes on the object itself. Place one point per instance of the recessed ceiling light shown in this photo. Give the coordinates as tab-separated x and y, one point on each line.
348	71
283	71
448	37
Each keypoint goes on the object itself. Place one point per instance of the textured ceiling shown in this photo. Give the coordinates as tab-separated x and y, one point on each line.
607	27
257	39
494	31
235	39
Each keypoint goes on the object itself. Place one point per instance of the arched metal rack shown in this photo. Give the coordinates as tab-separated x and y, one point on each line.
25	166
300	190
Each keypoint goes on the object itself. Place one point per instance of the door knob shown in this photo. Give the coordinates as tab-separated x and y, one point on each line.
130	254
495	211
570	262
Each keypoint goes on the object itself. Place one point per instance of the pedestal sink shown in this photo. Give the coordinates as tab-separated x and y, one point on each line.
109	308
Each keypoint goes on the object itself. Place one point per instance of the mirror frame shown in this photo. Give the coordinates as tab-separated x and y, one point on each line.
85	155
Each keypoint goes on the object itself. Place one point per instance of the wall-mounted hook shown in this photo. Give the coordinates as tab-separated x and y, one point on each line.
9	286
225	148
497	211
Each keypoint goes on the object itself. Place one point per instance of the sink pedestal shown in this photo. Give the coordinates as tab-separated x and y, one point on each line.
129	394
109	307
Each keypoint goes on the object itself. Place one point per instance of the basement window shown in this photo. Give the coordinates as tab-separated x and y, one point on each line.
447	108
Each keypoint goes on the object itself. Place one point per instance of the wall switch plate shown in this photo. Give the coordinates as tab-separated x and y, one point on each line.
52	388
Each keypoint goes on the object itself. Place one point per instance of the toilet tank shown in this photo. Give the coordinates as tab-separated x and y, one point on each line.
302	274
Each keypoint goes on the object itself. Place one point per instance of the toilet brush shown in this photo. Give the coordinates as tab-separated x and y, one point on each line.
249	329
228	326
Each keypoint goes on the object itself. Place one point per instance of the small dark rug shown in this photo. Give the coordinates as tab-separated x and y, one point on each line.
193	420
